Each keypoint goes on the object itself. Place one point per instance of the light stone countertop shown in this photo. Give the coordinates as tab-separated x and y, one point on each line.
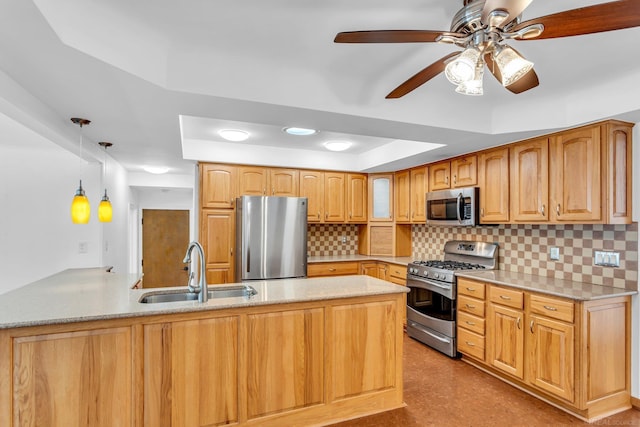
344	258
547	285
93	294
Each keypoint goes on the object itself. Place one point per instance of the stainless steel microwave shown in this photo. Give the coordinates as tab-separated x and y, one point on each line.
457	206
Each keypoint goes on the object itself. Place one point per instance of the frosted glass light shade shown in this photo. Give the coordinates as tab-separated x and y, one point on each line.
463	68
80	207
512	66
105	210
472	87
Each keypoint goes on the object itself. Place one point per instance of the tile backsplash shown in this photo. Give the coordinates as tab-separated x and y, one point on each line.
326	239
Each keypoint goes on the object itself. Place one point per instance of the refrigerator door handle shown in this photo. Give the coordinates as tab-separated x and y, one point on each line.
248	260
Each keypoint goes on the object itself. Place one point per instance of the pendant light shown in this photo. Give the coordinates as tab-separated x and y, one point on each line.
80	207
105	211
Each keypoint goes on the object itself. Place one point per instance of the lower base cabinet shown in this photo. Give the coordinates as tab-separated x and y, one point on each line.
572	354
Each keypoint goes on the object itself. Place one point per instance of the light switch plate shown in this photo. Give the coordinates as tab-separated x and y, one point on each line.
554	253
606	258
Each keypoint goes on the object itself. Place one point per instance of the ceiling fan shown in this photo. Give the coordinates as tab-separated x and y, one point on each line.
482	28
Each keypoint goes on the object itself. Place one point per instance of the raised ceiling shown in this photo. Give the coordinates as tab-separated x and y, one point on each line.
158	78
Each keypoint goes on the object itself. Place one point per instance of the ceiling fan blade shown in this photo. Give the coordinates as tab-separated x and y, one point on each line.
512	8
421	77
614	15
392	36
526	82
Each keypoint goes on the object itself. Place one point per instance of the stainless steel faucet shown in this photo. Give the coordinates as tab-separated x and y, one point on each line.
201	288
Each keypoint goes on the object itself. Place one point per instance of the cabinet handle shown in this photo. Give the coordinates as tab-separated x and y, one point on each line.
231	250
446	179
482	212
470	323
504	297
518	323
550	308
455	178
542	210
318	214
264	191
471	289
558	210
531	326
332	269
350	216
470	306
273	191
326	216
470	344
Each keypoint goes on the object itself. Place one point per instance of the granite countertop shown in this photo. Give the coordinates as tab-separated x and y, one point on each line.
94	294
547	285
345	258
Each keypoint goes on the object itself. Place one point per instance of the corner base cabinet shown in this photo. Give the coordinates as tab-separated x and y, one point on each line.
573	354
302	363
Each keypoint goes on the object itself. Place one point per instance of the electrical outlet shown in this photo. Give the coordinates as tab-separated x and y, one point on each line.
606	258
83	247
554	253
344	239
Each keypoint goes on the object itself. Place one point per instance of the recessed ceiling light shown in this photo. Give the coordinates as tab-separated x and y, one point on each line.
234	135
156	169
300	131
337	145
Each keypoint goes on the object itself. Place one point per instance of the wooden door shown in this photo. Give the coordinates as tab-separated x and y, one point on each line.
576	176
217	235
217	186
402	196
191	372
464	171
356	198
551	355
165	237
529	179
312	187
284	182
506	340
418	190
439	176
334	197
494	186
252	181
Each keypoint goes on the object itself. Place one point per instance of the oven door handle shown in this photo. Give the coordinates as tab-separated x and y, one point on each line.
432	335
458	203
429	282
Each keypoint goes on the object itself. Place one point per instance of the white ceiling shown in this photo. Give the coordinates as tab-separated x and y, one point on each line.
159	78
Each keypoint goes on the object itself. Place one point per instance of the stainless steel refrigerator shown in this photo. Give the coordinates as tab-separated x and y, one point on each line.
271	237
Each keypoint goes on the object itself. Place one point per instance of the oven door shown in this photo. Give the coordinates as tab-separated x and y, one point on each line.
431	306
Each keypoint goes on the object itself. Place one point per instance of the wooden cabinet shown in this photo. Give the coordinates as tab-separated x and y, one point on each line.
493	180
69	378
536	342
259	181
379	270
332	268
402	196
357	198
459	172
617	171
439	176
284	182
397	274
381	198
419	186
312	187
326	194
217	186
529	181
217	236
385	239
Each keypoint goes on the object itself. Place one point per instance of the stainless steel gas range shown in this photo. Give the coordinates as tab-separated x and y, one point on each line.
431	302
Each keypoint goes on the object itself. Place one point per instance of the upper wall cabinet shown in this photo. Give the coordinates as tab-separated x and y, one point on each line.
258	181
357	198
325	192
381	197
530	181
419	187
439	174
402	196
493	180
217	185
618	171
459	172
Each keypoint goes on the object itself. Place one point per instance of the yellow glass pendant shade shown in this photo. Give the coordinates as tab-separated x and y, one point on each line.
80	207
105	211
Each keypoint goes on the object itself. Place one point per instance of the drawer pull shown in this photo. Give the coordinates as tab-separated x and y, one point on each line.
470	323
505	297
332	269
470	344
550	308
471	289
470	306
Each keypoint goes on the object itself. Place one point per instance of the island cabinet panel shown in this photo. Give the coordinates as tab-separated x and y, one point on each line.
285	361
363	347
191	372
73	379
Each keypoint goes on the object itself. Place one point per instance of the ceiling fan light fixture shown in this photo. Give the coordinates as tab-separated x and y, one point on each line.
234	135
463	68
472	87
512	66
337	145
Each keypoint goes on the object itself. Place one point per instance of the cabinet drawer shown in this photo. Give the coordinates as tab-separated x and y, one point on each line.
551	307
397	280
398	271
471	322
471	305
506	297
332	269
471	288
470	344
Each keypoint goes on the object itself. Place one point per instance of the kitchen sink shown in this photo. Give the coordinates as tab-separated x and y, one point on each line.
183	295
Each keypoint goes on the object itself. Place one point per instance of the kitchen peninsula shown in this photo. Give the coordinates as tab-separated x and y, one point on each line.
78	348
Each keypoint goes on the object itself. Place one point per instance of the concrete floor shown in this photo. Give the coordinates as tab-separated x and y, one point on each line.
440	391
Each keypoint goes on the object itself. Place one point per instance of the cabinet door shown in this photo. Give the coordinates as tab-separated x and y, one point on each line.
217	235
464	172
356	198
576	175
439	176
506	340
334	197
312	187
550	356
402	195
619	171
369	269
418	188
381	197
494	186
217	186
252	181
529	178
191	372
284	182
73	379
